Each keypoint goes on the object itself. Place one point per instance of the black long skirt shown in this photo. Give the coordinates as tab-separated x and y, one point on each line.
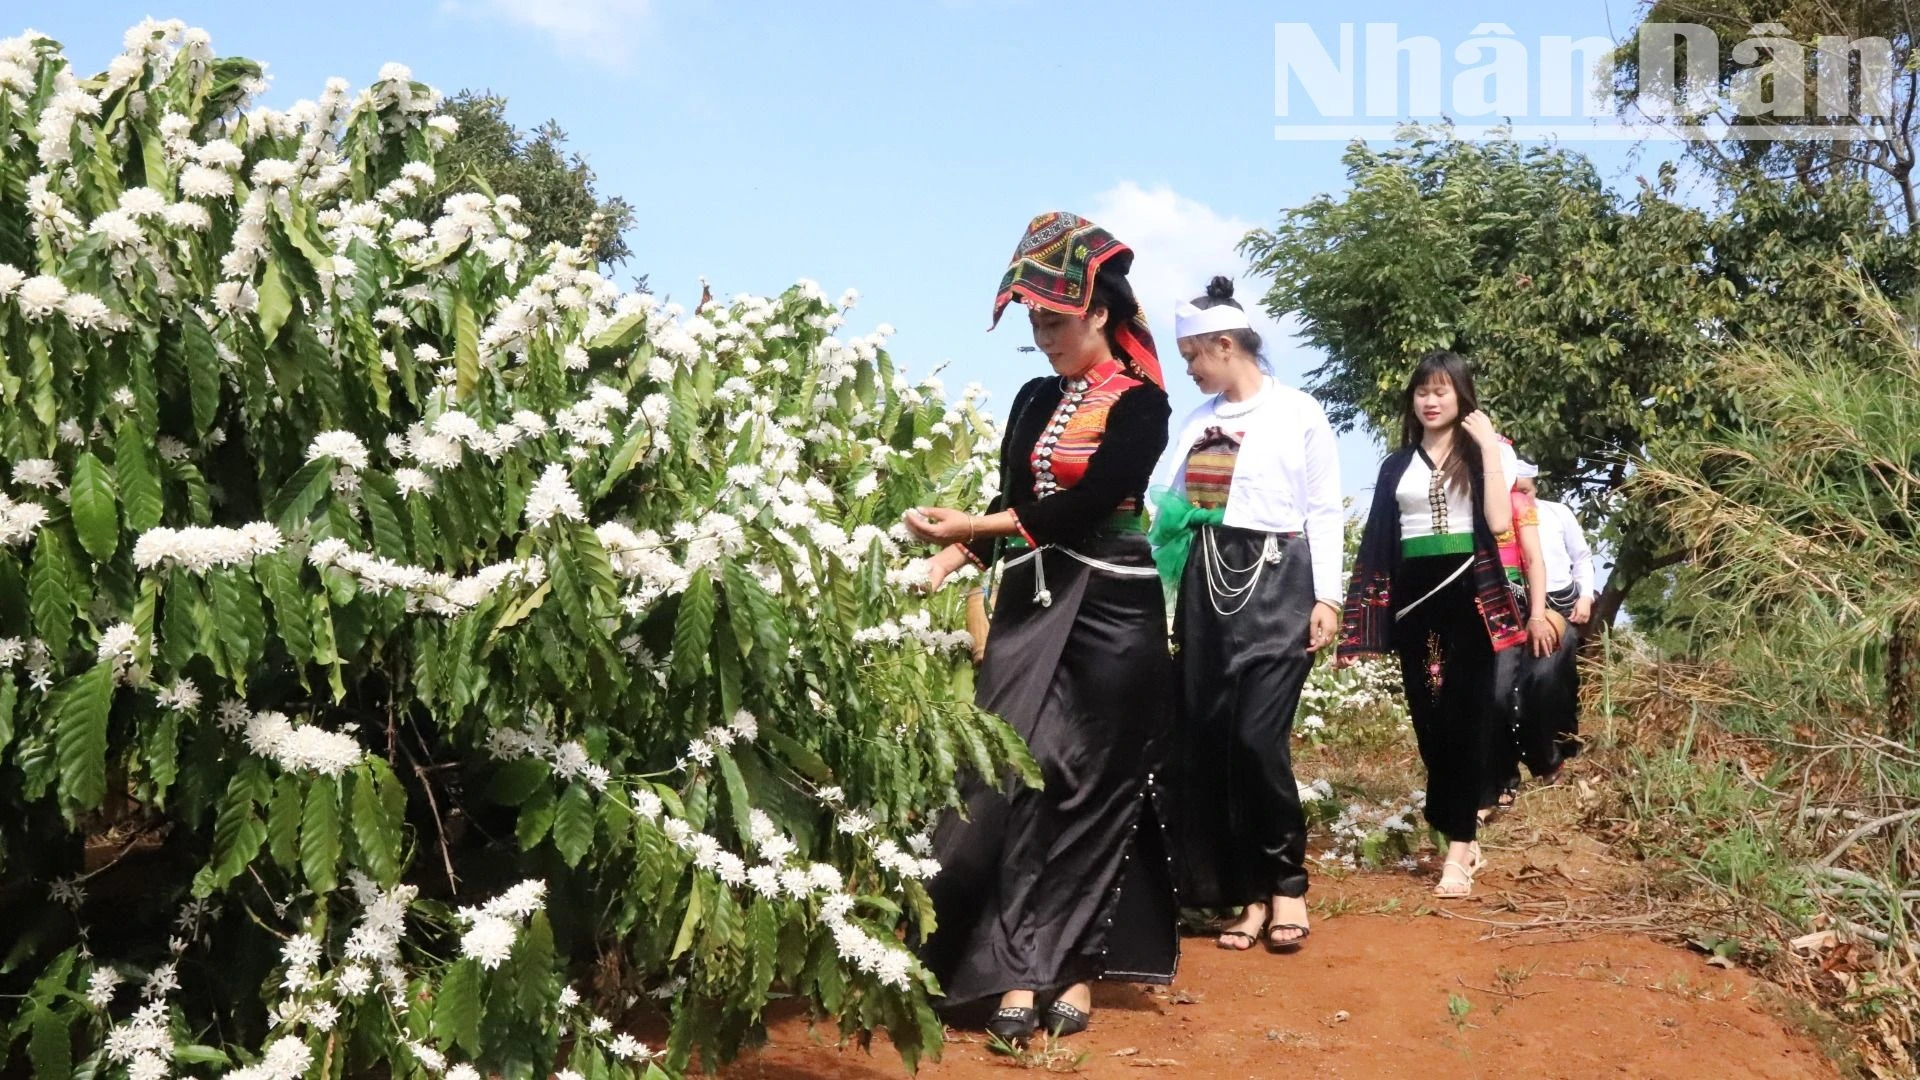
1041	889
1243	832
1447	667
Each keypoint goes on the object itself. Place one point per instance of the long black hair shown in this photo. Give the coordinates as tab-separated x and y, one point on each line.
1463	461
1220	294
1112	291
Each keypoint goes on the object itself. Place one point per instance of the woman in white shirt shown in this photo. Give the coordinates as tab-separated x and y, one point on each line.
1251	535
1428	585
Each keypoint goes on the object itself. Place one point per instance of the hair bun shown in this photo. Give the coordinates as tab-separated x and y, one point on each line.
1220	288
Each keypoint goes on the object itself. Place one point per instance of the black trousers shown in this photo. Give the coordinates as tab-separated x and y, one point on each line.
1549	697
1243	832
1447	664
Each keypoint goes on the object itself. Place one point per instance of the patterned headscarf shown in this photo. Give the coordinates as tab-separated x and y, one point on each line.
1054	268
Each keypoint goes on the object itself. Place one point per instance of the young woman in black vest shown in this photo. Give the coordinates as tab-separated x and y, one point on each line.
1428	586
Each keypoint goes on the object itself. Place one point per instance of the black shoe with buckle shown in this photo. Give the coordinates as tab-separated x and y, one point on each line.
1013	1026
1064	1020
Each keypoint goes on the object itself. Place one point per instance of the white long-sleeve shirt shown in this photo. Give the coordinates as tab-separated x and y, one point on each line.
1563	547
1286	475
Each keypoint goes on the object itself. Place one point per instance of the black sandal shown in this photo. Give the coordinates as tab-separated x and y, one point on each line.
1252	940
1064	1020
1013	1026
1278	946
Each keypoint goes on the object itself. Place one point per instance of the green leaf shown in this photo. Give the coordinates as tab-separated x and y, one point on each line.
301	493
320	835
530	970
276	301
51	580
458	1006
283	822
804	761
95	517
160	749
466	346
203	373
693	630
80	736
763	950
379	814
381	499
197	1054
237	830
240	620
279	576
738	803
536	818
726	666
620	334
573	824
138	477
517	613
517	780
9	700
690	923
50	1046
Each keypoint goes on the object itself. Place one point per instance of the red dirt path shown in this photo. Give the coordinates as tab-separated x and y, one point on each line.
1369	996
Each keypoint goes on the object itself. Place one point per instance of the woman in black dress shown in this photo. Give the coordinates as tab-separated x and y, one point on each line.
1042	891
1428	585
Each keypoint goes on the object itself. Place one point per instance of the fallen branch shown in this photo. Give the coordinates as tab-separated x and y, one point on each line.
1872	826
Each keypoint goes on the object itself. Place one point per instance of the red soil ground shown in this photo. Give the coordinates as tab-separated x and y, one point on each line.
1370	996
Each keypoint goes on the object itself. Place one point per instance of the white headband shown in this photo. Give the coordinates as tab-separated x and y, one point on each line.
1526	470
1191	321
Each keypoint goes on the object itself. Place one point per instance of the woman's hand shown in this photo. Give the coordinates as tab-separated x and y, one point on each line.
1480	428
942	565
937	573
1322	626
1543	635
1582	611
939	525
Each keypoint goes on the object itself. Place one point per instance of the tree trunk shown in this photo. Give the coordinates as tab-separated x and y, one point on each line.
1903	678
1626	573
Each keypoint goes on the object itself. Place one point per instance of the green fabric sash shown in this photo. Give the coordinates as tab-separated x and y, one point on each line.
1414	547
1172	532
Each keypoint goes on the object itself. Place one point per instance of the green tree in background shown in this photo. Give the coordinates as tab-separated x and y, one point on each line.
555	187
1592	318
1785	62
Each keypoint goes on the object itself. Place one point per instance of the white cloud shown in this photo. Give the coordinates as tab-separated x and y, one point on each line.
1179	244
607	32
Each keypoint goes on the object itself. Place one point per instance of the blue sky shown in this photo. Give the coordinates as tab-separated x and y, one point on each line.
898	148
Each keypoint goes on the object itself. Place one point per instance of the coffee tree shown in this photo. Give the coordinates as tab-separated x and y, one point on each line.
417	657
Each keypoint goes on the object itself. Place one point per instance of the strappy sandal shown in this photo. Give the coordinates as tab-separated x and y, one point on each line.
1292	945
1013	1025
1248	936
1244	935
1460	890
1064	1020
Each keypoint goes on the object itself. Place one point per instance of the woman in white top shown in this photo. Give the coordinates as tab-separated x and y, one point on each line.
1428	585
1251	535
